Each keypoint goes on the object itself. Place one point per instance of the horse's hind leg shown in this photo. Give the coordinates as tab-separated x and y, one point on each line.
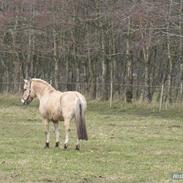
47	133
67	129
57	133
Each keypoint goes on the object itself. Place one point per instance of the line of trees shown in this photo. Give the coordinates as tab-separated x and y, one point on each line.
93	44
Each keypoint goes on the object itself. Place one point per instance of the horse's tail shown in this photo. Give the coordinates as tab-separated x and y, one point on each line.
80	121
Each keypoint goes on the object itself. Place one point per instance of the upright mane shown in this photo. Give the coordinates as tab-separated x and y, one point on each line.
43	82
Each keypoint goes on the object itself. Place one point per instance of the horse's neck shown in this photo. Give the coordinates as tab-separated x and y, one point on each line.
41	90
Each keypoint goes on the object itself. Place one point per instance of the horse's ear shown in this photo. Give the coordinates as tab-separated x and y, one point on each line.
25	81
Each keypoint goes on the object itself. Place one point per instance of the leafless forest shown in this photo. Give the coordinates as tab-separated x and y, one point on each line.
128	47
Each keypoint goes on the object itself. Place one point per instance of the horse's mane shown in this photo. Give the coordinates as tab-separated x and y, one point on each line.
43	82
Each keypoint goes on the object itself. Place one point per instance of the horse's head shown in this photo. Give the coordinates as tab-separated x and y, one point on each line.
28	94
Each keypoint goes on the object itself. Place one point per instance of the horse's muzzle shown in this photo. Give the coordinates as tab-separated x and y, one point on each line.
26	102
23	101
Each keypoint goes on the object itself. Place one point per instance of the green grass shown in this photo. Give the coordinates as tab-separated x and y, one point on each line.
128	143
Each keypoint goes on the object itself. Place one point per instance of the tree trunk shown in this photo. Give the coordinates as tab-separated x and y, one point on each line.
17	64
180	55
92	77
169	81
104	67
129	82
55	57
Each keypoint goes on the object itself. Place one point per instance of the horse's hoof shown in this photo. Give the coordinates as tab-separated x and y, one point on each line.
77	147
46	145
57	144
65	146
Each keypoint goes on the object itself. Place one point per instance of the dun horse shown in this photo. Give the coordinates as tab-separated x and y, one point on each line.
57	106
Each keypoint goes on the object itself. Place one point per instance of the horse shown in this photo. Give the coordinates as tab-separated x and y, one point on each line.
55	106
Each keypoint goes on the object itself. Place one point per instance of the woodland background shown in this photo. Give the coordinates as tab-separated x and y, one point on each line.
129	48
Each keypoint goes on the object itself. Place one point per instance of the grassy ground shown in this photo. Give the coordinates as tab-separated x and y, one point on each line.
128	143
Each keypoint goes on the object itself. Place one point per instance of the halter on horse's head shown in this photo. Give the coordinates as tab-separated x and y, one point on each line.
28	95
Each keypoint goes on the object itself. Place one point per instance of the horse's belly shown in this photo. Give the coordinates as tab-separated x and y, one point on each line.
51	112
52	116
56	117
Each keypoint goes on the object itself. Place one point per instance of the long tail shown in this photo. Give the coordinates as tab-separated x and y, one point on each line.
80	121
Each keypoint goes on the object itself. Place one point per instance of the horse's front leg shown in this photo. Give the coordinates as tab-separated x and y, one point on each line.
57	133
47	132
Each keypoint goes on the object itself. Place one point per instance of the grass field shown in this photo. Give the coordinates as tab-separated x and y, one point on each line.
128	143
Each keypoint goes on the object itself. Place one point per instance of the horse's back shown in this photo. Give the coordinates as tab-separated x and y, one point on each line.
58	105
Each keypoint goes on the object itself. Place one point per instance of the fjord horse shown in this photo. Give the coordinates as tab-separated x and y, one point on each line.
57	106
